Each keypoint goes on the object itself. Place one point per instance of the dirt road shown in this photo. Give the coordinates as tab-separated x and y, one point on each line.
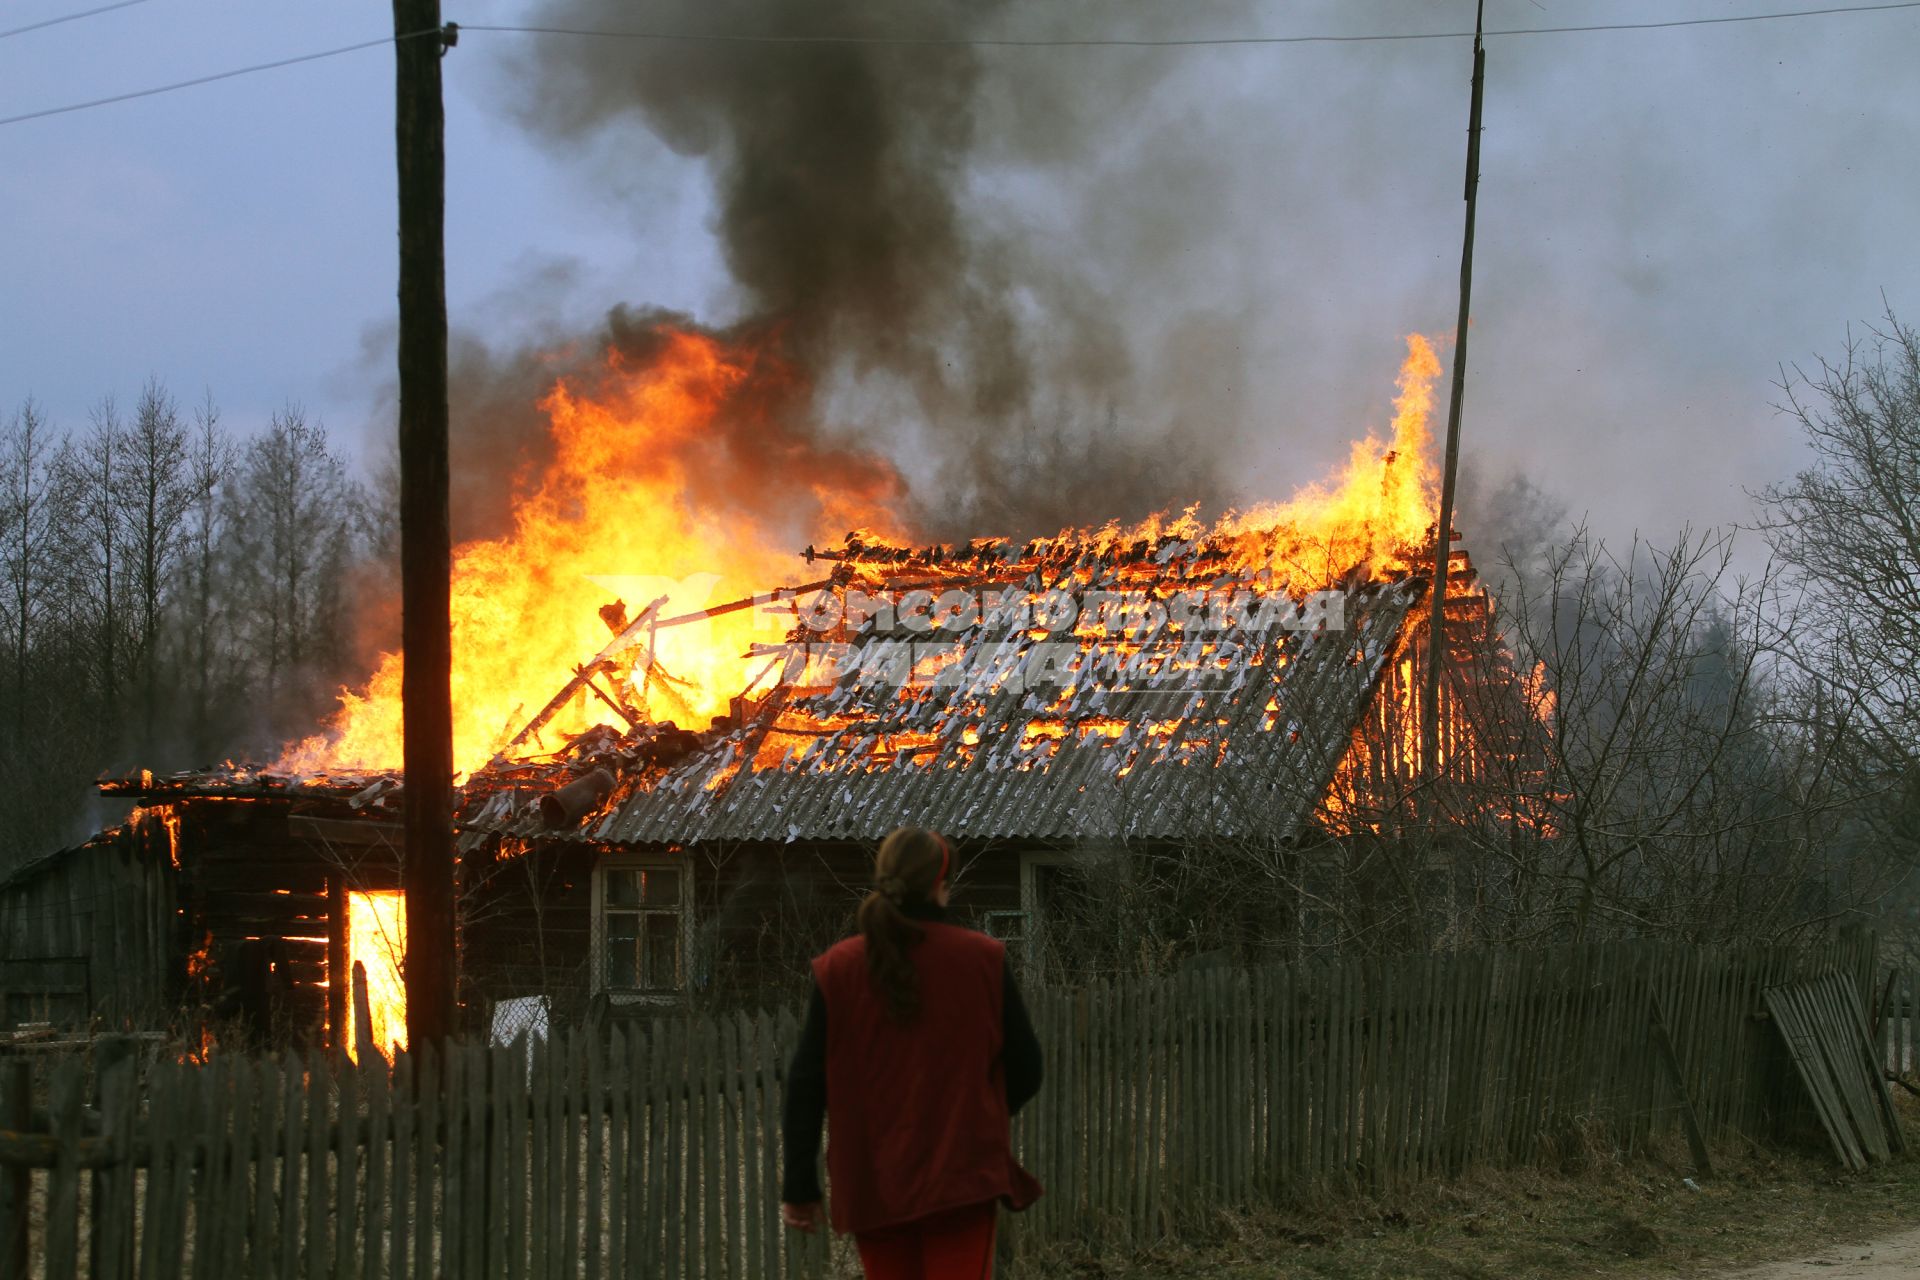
1895	1257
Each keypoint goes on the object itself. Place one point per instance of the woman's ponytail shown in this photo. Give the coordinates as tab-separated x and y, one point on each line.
909	867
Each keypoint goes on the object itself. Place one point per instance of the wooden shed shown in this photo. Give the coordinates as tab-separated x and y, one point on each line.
89	935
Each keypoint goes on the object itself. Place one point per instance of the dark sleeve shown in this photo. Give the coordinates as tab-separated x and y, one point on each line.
1020	1055
805	1107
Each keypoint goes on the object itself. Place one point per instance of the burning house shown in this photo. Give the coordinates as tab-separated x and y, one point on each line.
693	810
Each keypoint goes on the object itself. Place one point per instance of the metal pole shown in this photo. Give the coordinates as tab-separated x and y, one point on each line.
426	549
1443	527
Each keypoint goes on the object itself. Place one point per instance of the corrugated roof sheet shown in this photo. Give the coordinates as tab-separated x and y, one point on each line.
1220	734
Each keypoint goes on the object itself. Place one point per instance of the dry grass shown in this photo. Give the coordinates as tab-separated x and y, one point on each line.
1597	1215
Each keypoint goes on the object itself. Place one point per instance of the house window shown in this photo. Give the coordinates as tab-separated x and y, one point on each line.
1060	928
640	923
1011	928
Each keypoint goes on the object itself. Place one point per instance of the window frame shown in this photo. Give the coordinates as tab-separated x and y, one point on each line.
1033	927
597	959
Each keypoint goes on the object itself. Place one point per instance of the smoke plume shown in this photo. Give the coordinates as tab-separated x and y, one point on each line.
853	206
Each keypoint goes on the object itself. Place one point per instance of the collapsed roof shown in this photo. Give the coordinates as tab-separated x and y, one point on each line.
1060	690
1065	689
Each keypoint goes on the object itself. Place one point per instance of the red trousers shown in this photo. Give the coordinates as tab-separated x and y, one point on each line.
954	1245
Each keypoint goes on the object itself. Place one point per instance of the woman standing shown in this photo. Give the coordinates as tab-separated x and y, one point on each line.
917	1050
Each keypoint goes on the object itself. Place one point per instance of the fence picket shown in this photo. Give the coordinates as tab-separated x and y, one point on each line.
541	1221
745	1163
177	1204
293	1116
375	1078
456	1204
316	1258
482	1180
768	1050
673	1094
346	1172
596	1117
112	1209
516	1106
406	1123
429	1069
218	1192
63	1184
618	1136
162	1139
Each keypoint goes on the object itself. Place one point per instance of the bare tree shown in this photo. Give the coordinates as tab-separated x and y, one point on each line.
155	495
1678	790
161	591
292	532
1626	754
209	465
26	550
1847	528
93	527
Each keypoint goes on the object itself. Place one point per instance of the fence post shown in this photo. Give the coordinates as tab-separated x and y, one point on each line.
1670	1062
65	1088
110	1237
16	1181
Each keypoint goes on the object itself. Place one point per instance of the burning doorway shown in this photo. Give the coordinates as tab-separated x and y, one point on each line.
377	945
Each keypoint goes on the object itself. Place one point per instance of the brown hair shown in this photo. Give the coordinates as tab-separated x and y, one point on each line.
910	865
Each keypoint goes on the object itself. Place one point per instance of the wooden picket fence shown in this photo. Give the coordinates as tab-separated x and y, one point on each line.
1895	1005
654	1148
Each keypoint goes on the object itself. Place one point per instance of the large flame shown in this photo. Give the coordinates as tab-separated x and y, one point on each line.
647	494
635	504
1375	520
1381	513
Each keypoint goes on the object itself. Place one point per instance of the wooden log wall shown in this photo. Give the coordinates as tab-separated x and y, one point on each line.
759	913
89	933
247	877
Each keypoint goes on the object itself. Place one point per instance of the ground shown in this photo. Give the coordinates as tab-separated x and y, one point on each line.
1883	1259
1769	1215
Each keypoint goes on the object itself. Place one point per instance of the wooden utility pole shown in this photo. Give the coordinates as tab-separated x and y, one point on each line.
426	547
1443	527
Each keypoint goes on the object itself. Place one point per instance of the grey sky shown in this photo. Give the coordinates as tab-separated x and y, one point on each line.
1665	217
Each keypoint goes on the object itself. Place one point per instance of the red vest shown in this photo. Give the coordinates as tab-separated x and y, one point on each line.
917	1112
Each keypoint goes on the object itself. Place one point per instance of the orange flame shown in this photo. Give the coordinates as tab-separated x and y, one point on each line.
377	941
631	507
1382	510
643	498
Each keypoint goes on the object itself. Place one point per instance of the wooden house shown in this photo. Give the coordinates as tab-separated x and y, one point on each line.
1054	707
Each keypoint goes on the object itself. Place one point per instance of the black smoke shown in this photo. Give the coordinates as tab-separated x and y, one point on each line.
847	187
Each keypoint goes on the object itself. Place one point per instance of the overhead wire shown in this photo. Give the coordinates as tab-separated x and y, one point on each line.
69	17
1169	42
216	76
984	42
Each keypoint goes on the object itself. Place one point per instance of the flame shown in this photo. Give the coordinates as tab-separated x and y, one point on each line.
1376	519
643	497
635	498
167	817
377	941
170	821
1540	695
200	1052
200	959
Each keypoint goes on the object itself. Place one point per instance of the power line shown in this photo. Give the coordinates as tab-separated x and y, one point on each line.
218	75
1176	42
71	17
927	42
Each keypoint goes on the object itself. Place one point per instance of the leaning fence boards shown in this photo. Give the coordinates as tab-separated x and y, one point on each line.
654	1147
1824	1030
